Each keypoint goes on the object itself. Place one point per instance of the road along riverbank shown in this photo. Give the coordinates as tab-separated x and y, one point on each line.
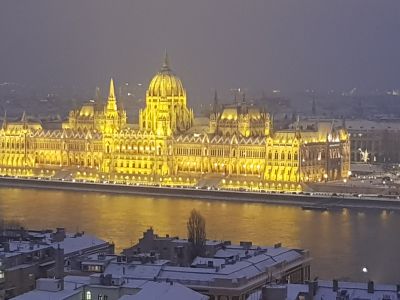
307	201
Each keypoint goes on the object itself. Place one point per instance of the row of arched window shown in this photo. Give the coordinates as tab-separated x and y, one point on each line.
283	156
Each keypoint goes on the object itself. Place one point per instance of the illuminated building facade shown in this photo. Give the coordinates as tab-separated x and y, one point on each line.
238	148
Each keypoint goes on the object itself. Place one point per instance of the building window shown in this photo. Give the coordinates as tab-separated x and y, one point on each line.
88	295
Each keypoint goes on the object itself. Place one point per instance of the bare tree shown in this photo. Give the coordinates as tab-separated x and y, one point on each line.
196	227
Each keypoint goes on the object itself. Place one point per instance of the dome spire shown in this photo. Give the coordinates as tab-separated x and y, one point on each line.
165	66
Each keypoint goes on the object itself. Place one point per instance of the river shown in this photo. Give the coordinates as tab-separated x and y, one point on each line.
341	242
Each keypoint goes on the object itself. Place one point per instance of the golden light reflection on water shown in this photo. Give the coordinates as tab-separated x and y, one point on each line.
340	241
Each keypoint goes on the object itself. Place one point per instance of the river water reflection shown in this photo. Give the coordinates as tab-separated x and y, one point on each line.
341	242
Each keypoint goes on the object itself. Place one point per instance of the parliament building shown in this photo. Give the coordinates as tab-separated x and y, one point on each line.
237	148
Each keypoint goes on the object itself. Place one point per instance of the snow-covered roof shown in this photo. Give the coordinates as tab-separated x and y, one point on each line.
72	286
354	290
164	291
252	263
76	243
72	243
19	247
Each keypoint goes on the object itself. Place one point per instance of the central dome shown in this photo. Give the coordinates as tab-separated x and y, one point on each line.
165	83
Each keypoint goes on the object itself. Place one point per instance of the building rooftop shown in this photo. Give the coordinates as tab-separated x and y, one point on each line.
75	243
234	263
43	291
39	240
362	125
164	291
324	290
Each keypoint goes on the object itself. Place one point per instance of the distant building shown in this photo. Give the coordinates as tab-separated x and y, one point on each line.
2	280
371	141
379	140
168	148
165	291
328	290
27	255
225	271
80	288
56	289
174	249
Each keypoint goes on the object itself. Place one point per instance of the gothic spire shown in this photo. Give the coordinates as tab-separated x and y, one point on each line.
23	118
111	95
4	125
111	103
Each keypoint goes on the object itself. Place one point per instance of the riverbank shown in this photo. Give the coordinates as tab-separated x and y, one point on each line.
301	199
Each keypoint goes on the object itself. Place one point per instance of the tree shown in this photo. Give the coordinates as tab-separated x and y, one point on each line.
196	227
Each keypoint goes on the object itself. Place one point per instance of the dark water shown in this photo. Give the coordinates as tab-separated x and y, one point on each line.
341	242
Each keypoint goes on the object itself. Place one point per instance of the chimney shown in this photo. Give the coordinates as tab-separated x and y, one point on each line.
59	265
278	292
59	235
312	288
6	247
370	287
335	285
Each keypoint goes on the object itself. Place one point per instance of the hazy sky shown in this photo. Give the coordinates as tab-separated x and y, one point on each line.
253	44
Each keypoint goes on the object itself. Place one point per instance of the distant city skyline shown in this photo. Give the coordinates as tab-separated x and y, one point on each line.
257	45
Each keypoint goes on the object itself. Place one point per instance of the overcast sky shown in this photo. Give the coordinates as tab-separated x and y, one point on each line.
253	44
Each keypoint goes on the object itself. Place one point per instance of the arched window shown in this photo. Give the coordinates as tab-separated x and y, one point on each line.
296	157
276	155
88	295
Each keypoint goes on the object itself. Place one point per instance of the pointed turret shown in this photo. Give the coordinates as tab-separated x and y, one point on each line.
111	102
111	95
23	118
4	124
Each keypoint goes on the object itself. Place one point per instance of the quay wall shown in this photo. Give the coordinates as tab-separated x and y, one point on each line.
320	199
